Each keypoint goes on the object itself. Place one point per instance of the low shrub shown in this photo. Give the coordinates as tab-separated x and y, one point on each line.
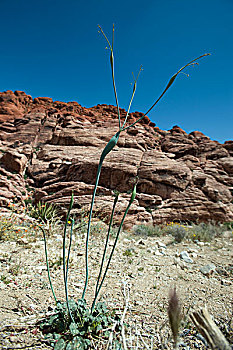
206	231
147	230
178	231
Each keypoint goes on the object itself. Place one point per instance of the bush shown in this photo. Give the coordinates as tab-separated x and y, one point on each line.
178	231
206	231
147	230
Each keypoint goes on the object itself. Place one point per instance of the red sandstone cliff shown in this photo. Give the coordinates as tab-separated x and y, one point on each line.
54	148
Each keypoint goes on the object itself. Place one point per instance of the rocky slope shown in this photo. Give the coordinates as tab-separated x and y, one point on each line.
53	148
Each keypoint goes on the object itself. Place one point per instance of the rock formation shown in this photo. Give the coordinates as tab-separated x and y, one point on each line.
53	148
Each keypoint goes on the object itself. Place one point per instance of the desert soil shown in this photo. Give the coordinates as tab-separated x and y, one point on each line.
147	266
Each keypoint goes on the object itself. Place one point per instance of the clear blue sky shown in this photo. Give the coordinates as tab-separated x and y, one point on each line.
53	48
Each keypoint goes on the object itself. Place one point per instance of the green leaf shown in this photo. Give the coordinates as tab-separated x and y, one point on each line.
56	336
60	345
73	329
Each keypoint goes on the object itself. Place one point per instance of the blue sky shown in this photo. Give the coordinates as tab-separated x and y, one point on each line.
53	48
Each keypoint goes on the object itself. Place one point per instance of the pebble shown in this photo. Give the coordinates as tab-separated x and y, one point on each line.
184	255
192	250
40	268
157	252
141	242
208	269
162	251
176	260
150	250
161	244
226	282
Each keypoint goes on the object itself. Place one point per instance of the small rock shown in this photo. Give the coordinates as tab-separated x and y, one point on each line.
184	255
176	261
225	282
22	241
150	250
192	250
13	339
157	252
40	268
208	269
141	242
162	251
161	245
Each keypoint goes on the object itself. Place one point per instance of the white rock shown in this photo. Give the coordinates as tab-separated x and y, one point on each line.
157	252
161	245
184	256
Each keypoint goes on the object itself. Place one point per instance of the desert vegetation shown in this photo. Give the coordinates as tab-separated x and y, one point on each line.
75	323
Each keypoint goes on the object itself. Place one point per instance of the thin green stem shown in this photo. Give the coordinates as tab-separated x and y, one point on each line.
105	248
132	96
111	144
47	263
69	249
171	81
65	271
89	227
112	68
133	195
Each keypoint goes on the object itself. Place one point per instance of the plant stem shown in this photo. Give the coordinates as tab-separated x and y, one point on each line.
112	68
108	148
69	249
171	81
114	245
65	267
47	263
105	249
132	96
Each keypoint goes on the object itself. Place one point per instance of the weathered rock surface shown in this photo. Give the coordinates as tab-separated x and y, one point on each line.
54	148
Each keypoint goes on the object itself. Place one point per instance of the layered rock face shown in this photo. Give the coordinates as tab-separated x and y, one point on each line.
53	148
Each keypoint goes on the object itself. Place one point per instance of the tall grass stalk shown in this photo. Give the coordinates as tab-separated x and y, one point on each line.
47	263
112	143
106	242
66	264
133	195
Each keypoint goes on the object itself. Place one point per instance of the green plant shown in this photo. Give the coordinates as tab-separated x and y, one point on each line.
4	279
147	230
228	225
206	231
74	323
128	252
43	212
84	330
179	232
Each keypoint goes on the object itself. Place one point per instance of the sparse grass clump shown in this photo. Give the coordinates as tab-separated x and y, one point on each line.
15	224
147	230
206	232
178	231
